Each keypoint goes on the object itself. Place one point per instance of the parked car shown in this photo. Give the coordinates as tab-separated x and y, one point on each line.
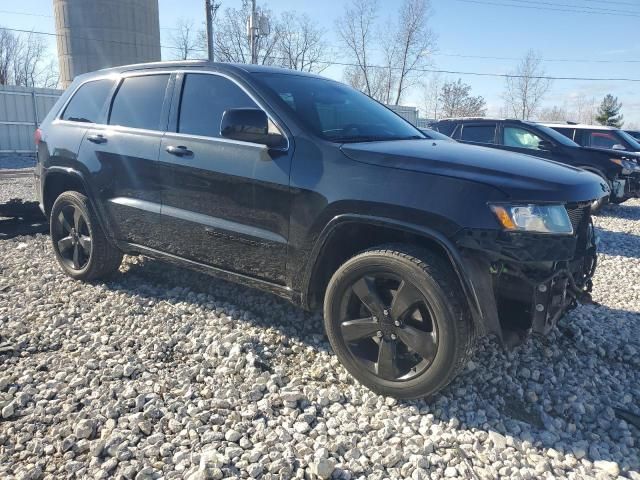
597	136
309	189
634	133
620	170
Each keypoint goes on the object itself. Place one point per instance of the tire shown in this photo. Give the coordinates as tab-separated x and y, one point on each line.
438	324
80	245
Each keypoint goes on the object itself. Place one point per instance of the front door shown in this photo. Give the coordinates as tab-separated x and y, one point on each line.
225	203
522	140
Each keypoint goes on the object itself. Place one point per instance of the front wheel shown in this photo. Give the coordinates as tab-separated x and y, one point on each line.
398	321
80	245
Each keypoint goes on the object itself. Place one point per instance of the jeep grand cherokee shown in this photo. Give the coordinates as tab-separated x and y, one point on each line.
309	189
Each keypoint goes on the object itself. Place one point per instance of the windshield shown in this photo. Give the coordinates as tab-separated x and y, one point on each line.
633	143
558	137
336	112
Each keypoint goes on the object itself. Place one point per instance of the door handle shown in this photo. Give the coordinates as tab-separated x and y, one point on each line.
179	151
96	138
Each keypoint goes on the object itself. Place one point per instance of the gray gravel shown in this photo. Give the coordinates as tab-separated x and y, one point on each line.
166	373
13	187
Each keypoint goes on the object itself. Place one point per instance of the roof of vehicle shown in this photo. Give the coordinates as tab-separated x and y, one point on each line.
204	64
577	125
483	119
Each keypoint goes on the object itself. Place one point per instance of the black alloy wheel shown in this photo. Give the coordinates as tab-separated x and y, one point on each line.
398	321
388	326
71	236
80	245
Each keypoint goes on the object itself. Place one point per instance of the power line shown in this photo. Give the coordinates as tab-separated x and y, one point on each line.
482	57
532	7
347	64
598	10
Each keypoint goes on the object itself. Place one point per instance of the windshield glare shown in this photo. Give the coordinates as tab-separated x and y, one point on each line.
336	112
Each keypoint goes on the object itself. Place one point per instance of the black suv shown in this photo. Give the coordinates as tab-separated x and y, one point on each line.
307	188
620	170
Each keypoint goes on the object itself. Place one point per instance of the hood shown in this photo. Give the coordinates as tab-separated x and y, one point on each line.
520	177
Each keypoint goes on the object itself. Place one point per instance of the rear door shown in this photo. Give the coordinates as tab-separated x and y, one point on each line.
123	156
226	202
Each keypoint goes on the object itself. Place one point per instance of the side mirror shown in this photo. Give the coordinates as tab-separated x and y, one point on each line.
617	146
250	125
545	145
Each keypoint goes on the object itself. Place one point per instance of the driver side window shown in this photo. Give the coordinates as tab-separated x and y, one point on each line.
521	138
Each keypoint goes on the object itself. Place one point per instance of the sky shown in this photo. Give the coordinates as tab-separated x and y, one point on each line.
599	37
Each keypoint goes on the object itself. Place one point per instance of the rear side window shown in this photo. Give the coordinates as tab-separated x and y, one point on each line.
479	133
86	104
567	132
204	99
138	102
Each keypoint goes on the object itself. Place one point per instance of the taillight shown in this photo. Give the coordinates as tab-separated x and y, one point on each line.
37	136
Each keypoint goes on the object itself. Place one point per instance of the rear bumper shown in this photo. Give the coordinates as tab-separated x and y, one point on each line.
526	283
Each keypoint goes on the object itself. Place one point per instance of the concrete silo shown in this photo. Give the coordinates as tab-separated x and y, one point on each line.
94	34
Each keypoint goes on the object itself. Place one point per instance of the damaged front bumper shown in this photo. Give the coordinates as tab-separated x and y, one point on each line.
625	187
525	282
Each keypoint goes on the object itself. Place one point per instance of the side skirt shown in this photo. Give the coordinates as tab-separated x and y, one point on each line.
282	291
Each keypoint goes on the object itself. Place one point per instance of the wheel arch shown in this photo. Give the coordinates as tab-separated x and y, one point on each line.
61	179
347	235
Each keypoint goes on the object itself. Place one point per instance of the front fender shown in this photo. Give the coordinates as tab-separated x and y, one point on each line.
464	269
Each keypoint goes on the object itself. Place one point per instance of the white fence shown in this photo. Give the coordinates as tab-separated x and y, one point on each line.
21	111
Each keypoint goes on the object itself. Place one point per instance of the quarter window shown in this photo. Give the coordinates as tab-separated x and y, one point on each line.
87	103
602	140
138	102
479	133
521	138
204	99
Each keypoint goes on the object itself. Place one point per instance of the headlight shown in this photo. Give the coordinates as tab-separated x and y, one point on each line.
534	218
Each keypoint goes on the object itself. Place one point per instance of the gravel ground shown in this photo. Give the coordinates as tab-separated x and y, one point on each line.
14	187
166	373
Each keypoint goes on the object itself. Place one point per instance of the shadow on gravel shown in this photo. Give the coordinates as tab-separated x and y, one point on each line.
623	211
619	244
562	392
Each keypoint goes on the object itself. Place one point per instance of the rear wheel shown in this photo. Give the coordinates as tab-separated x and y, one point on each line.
397	320
80	245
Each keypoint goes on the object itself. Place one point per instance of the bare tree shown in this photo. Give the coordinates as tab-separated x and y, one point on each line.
554	114
414	41
8	49
405	48
300	44
357	31
232	43
526	88
432	90
457	101
185	41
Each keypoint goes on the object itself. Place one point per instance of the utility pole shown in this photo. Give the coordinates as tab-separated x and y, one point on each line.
252	33
208	12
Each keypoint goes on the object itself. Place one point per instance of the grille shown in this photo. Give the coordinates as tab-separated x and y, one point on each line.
577	214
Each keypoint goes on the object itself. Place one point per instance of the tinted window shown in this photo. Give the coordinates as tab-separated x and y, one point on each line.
567	132
86	104
521	138
446	127
138	102
601	139
479	133
204	99
335	111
